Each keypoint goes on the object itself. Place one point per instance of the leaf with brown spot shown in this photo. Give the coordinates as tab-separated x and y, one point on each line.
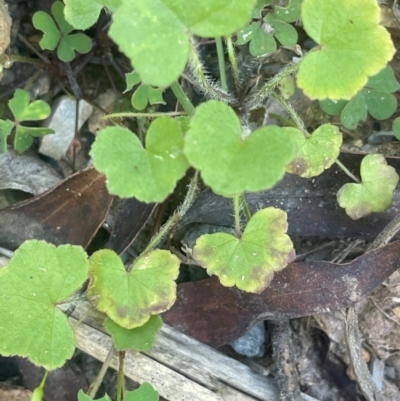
71	212
216	315
248	262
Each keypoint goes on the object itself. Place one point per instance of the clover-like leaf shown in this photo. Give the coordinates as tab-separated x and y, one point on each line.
229	163
59	35
290	13
248	262
148	174
353	47
374	193
316	153
131	298
83	14
159	47
396	128
38	277
375	98
23	110
261	42
260	4
83	397
144	93
145	392
140	338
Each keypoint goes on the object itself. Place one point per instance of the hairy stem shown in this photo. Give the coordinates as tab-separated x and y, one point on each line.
245	205
178	214
182	98
140	115
221	63
232	59
121	378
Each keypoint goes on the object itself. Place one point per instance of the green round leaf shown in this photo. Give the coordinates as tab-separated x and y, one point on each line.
353	47
51	35
145	392
248	262
396	128
291	13
316	153
71	43
145	94
83	14
130	298
247	33
24	136
212	17
332	107
374	194
158	47
384	81
148	174
381	105
262	43
140	338
39	277
230	164
285	33
354	111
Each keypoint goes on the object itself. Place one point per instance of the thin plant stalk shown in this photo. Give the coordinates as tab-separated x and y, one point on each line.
245	206
182	98
143	115
221	63
347	171
236	209
121	378
178	214
232	59
94	387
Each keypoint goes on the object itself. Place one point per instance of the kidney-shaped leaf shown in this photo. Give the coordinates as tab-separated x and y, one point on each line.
229	163
145	392
248	262
130	298
375	193
39	277
316	153
150	174
353	47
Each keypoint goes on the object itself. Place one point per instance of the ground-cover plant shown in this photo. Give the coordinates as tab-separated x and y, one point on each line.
215	139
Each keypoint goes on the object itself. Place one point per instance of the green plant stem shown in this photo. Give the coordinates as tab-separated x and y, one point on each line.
141	115
178	214
292	113
232	59
236	209
257	99
121	378
221	63
10	59
100	376
182	98
246	209
348	172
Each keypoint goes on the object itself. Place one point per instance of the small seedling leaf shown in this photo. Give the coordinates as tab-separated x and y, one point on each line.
140	338
38	277
145	392
353	47
83	397
316	153
83	14
23	110
374	193
131	298
148	174
230	164
51	35
24	136
261	43
6	127
260	4
145	94
248	262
